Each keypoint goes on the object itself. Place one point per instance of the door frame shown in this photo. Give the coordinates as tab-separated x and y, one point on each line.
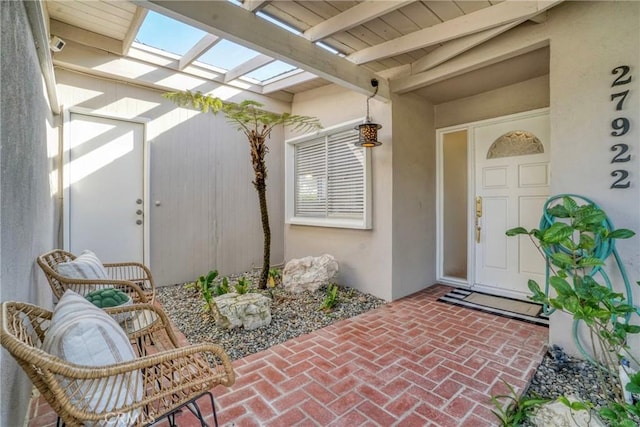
66	139
471	186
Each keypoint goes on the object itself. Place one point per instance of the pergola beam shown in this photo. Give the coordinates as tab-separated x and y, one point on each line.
480	20
138	18
247	67
456	47
205	43
240	26
254	5
352	17
69	32
288	82
515	43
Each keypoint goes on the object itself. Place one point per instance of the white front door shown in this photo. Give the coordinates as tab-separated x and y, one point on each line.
511	186
105	176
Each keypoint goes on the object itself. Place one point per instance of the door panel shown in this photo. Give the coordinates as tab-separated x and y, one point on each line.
105	173
512	181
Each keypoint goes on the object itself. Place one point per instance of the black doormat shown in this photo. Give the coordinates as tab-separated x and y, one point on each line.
500	306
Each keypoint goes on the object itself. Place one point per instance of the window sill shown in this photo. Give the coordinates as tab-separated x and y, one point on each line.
329	222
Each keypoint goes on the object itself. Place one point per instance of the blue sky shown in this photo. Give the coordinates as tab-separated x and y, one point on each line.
166	33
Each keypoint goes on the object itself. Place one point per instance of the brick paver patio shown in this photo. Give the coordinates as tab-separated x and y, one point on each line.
412	362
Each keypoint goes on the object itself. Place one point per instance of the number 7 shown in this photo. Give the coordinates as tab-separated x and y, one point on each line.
622	95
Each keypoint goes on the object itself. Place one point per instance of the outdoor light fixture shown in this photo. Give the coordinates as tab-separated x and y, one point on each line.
368	131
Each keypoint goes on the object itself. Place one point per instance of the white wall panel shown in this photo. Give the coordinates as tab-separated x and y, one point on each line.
204	210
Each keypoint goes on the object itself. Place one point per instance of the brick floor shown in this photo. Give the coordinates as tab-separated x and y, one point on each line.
412	362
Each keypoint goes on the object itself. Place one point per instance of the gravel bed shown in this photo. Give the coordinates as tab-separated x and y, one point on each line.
291	315
561	375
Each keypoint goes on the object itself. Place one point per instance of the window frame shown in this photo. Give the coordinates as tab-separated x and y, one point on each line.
364	223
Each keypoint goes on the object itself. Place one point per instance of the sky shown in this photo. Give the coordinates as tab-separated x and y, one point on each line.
172	36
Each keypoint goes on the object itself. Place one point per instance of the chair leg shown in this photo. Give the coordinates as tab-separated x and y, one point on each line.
196	410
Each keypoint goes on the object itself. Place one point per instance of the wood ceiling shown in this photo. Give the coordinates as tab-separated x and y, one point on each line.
396	41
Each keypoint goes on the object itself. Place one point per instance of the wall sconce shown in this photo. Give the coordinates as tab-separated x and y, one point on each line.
368	131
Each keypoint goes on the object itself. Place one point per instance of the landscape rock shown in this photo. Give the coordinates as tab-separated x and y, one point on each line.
309	273
557	414
251	310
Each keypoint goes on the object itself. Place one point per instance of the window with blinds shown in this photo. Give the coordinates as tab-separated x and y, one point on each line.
330	180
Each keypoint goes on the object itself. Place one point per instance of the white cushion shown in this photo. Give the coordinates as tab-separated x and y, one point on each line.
85	266
84	334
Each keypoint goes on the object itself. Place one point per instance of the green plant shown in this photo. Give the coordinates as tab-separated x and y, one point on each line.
274	277
575	247
331	299
109	297
257	124
222	287
515	409
204	284
243	286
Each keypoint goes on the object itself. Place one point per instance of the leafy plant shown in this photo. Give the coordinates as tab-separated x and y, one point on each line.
274	277
222	287
257	124
205	285
331	299
243	286
514	409
575	248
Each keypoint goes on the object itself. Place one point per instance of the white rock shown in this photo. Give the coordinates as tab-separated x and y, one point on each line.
309	273
557	414
251	310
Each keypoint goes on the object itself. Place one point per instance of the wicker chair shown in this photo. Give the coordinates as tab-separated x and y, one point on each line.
173	377
130	277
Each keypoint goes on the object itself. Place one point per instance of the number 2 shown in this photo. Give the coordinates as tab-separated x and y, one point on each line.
624	70
618	157
622	175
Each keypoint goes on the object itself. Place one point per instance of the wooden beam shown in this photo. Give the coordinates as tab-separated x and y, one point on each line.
352	17
247	67
483	19
198	49
149	72
517	42
254	5
286	82
240	26
456	47
138	18
88	38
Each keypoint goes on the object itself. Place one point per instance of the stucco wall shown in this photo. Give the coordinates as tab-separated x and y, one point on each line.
589	39
414	195
365	256
200	173
28	193
519	97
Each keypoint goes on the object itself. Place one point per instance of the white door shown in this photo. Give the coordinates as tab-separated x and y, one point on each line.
512	184
105	172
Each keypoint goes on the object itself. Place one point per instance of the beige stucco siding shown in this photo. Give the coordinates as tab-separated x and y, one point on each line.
364	255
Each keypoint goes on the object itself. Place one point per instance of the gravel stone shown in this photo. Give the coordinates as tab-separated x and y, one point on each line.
291	315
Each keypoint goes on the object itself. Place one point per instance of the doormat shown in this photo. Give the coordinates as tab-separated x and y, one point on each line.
500	306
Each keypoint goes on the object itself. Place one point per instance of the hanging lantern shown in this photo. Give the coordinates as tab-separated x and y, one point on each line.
368	131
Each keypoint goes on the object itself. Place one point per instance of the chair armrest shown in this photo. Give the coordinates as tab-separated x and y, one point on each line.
169	379
146	324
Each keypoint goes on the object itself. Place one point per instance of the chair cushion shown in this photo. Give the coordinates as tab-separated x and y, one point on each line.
83	334
85	266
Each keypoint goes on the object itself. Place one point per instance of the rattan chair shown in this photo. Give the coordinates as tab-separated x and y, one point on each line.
173	377
130	277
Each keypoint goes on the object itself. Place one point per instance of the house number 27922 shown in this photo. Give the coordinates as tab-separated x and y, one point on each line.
620	127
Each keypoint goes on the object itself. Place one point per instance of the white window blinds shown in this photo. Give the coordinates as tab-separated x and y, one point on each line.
330	179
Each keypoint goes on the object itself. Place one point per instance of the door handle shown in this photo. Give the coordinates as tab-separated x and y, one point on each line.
477	219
